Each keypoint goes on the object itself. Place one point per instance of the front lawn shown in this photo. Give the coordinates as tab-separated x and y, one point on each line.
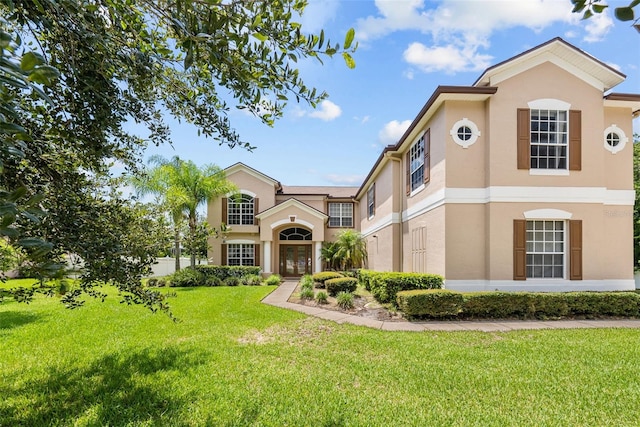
233	361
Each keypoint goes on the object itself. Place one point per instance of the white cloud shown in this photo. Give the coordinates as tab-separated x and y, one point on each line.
344	179
392	131
362	120
446	58
327	111
597	27
317	14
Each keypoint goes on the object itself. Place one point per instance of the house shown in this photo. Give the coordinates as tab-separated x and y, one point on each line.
521	181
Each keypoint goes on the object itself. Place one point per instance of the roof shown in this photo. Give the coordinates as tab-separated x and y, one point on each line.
288	204
251	171
624	100
337	192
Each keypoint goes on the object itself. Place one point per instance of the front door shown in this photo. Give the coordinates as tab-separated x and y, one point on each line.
295	260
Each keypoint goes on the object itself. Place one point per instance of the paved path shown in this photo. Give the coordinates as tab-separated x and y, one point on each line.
279	298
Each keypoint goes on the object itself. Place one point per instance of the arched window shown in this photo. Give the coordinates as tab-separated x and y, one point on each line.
240	210
295	233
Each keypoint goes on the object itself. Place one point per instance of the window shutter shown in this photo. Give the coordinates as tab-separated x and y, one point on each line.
524	138
427	156
408	163
224	209
575	140
519	249
575	250
256	255
255	211
223	254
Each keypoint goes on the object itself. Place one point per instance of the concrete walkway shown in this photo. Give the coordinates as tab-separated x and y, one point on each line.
280	296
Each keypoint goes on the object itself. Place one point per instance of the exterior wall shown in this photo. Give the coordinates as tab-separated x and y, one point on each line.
465	240
618	169
431	224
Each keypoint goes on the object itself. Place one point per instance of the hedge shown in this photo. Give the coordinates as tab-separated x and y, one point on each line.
224	271
341	284
321	278
384	285
520	305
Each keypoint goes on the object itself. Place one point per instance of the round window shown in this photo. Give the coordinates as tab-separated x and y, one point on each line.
614	139
464	133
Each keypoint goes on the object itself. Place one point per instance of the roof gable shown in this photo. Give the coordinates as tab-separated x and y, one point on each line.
288	204
237	167
564	55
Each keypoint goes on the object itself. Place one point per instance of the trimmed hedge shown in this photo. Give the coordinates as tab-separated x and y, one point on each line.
430	302
224	271
384	286
341	284
321	278
519	305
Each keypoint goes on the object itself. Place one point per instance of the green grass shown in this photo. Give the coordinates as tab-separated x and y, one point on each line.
233	361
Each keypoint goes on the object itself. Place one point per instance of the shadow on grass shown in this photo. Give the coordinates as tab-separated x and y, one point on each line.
116	389
13	319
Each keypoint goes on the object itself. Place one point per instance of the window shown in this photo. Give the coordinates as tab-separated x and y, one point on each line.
240	210
418	163
241	254
549	142
295	233
545	249
614	139
464	133
371	201
340	214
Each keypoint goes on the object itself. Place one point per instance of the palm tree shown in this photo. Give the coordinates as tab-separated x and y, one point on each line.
184	187
351	249
328	255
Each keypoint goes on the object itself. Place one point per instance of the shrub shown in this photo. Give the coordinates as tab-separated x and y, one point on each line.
186	277
307	293
385	286
306	279
273	280
224	271
251	280
321	278
430	302
231	281
341	284
364	278
306	285
321	297
345	300
63	286
162	282
212	281
152	282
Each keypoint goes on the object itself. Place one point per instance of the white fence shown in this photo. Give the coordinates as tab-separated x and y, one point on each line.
167	265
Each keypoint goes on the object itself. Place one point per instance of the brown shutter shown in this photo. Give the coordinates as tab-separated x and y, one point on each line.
524	138
575	140
256	255
408	162
255	211
223	254
427	156
519	249
224	209
575	250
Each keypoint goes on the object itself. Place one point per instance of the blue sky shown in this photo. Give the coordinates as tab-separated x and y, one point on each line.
406	49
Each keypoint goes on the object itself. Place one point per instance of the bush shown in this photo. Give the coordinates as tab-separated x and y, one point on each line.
345	300
273	280
152	282
306	280
251	280
385	286
162	282
212	281
307	293
430	303
186	277
231	281
341	284
321	278
321	297
224	271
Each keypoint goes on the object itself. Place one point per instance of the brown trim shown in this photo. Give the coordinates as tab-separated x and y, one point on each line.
524	138
575	249
575	140
427	156
632	97
519	249
223	254
255	210
256	255
224	210
407	159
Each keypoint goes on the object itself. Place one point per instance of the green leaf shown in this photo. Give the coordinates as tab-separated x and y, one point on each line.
599	8
29	60
587	14
349	60
188	60
634	3
624	13
9	232
44	74
349	38
321	39
260	37
30	242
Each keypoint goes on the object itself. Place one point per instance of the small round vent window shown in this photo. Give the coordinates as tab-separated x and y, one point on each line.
614	139
464	133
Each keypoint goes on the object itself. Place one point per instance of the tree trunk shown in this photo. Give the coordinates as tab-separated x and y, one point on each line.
192	230
176	247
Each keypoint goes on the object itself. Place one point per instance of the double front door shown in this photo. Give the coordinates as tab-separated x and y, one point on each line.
295	260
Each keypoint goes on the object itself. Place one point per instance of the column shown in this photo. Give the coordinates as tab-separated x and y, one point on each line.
267	257
318	250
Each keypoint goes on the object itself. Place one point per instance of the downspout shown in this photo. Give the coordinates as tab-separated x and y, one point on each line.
400	189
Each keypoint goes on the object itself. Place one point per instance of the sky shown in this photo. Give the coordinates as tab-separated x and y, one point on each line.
406	49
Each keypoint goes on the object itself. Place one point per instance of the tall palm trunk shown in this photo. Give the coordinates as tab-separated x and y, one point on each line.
192	231
176	246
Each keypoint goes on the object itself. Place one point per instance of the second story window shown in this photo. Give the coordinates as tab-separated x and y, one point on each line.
371	200
240	210
549	139
418	163
340	214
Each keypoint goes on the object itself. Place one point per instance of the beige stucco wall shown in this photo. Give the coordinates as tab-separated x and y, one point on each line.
466	238
618	168
434	221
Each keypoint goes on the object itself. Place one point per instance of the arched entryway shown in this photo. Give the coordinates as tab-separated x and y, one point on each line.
296	251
